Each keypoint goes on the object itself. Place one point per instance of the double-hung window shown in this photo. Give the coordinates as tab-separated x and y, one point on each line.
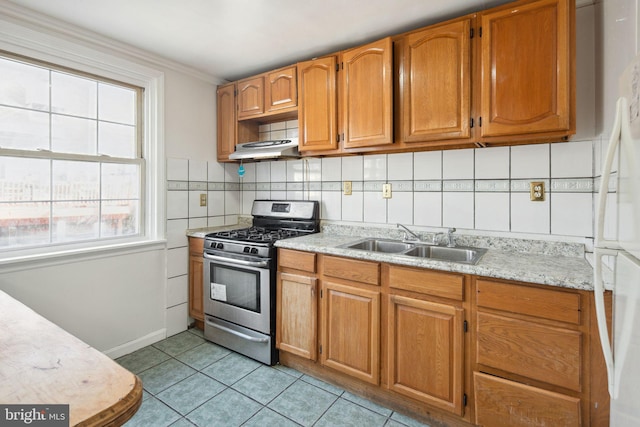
71	161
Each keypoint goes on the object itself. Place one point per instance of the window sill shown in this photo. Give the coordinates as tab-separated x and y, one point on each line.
21	261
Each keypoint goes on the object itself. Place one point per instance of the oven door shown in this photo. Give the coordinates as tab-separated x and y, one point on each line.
238	291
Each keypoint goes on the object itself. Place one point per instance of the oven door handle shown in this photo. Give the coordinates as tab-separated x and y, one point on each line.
238	334
236	261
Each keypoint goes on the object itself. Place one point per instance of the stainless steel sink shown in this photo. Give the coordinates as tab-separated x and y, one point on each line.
443	253
459	254
380	245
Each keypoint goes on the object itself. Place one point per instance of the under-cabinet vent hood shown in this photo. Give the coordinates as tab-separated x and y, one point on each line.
271	149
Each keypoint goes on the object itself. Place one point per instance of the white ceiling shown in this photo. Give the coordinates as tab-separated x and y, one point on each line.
232	39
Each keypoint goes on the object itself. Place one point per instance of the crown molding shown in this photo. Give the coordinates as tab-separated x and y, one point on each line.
42	23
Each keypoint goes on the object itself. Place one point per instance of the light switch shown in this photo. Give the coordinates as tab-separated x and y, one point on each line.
203	199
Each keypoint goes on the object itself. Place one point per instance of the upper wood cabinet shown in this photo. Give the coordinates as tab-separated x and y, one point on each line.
227	129
366	101
317	108
435	80
527	66
281	89
364	76
250	97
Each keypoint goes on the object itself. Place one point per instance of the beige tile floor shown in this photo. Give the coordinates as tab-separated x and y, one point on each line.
190	381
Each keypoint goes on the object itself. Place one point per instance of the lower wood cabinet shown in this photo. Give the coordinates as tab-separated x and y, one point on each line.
448	347
196	292
426	352
351	331
296	315
504	403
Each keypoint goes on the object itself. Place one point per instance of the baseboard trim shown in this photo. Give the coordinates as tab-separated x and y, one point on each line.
137	344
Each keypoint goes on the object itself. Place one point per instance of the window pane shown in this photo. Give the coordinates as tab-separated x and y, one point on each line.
23	129
24	224
117	140
120	181
76	180
120	218
72	95
24	85
74	221
24	180
73	135
116	104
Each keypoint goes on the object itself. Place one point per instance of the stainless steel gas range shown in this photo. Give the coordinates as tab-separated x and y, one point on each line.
240	276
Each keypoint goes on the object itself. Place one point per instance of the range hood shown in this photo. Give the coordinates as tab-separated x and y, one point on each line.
271	149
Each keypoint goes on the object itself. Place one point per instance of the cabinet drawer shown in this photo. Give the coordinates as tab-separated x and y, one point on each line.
503	403
539	352
446	285
351	269
303	261
544	303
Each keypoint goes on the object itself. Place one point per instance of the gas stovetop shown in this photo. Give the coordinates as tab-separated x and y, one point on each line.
272	220
256	234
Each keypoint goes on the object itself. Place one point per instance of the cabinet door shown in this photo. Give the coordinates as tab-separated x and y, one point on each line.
367	94
296	315
317	106
281	90
426	352
227	125
196	295
504	403
351	331
526	78
250	97
436	82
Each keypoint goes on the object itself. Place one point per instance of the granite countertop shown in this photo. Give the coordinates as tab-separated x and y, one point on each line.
568	270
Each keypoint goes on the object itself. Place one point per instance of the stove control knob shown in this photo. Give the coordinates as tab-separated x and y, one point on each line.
219	245
254	250
246	249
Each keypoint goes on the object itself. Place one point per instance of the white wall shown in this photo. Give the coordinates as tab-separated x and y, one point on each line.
120	301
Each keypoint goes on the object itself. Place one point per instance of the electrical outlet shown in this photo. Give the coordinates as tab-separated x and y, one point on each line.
386	191
346	188
203	199
536	190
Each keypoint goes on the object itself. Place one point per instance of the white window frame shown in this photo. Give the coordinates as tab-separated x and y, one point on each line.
31	36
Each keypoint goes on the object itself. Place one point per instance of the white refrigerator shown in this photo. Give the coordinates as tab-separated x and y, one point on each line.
623	252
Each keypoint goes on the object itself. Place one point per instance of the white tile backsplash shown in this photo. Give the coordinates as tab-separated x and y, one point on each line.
400	208
331	169
177	290
263	172
279	171
572	159
352	168
177	204
427	209
457	164
492	211
571	214
197	170
492	163
177	262
528	216
427	165
400	166
375	167
177	169
457	210
176	236
375	207
352	207
530	161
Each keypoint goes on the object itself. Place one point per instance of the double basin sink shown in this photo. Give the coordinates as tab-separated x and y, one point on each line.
461	254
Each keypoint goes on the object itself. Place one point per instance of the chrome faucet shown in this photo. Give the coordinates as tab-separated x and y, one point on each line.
407	232
450	242
448	235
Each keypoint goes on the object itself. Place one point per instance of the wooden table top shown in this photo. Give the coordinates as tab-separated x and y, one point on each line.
40	363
